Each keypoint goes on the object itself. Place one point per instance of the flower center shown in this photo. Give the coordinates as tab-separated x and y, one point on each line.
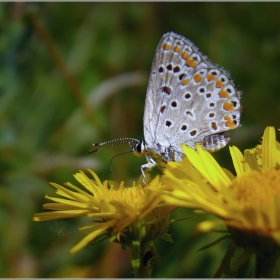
133	197
257	188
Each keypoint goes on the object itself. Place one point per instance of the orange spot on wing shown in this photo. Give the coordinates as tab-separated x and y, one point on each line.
191	63
166	47
176	49
185	82
210	77
228	106
185	55
219	83
197	78
223	94
229	122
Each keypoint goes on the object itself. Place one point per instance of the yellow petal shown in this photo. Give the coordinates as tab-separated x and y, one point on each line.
269	148
216	175
100	228
251	161
46	216
238	160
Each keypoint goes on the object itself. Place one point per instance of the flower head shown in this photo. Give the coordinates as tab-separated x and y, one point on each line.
249	202
124	215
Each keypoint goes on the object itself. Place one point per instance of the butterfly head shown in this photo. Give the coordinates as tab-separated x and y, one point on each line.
138	148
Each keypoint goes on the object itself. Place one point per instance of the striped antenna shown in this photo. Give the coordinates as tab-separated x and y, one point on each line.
131	141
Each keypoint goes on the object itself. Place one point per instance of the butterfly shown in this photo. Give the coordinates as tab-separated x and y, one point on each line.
189	100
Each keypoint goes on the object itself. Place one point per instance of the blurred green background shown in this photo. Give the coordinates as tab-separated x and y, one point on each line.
76	73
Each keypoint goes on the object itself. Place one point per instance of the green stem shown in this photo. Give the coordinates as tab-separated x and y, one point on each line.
267	265
142	254
225	263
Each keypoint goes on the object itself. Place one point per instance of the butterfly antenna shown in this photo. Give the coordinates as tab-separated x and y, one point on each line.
112	160
113	142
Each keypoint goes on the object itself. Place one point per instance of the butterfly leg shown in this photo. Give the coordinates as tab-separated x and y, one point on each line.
148	166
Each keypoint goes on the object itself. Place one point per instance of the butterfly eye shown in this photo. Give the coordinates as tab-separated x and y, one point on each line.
138	148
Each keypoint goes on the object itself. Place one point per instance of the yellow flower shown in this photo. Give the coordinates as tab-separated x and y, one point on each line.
130	216
248	203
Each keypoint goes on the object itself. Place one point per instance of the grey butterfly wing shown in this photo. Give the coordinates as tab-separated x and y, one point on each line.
188	99
167	73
